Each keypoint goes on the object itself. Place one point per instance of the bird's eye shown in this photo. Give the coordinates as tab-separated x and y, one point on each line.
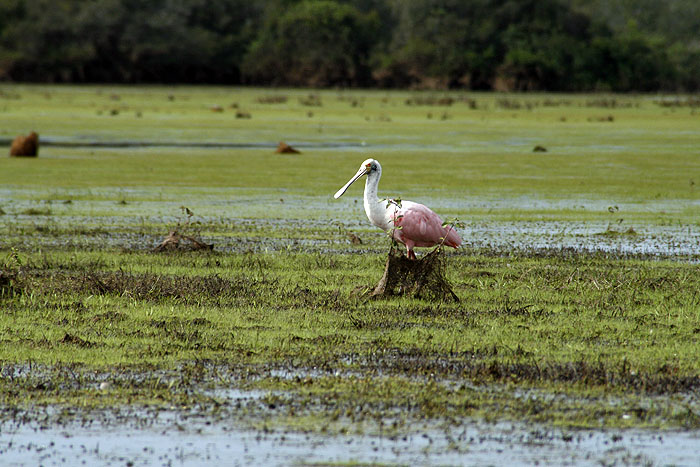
374	166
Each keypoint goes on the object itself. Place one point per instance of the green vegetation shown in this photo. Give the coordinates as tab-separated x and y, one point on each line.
589	335
554	45
579	331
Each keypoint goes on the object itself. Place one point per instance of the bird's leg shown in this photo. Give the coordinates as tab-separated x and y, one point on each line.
411	254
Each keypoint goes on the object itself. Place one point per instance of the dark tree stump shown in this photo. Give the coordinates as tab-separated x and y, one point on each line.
420	278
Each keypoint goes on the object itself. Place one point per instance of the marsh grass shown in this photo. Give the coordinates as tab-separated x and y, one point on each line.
563	327
549	334
37	212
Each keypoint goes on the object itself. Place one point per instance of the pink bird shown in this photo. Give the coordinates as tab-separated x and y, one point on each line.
410	223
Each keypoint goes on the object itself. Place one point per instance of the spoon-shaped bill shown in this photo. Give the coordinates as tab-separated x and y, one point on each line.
359	174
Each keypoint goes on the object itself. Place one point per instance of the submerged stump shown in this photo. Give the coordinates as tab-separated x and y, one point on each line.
420	278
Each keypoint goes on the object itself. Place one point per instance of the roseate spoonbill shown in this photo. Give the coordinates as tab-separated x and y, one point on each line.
410	223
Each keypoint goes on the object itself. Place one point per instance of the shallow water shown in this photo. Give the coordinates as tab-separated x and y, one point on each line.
237	220
89	142
174	438
242	429
236	235
647	240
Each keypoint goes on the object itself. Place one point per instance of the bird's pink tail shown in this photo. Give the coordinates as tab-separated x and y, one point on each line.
452	239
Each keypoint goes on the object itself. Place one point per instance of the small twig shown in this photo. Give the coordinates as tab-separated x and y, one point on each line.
450	225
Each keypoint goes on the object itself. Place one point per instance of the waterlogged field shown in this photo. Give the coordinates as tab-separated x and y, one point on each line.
575	338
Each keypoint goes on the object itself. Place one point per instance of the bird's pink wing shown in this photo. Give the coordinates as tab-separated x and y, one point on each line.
423	227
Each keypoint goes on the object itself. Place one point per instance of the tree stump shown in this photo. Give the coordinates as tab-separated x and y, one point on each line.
25	146
422	278
284	148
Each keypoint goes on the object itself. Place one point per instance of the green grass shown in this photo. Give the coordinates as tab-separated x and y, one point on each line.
645	153
585	329
543	334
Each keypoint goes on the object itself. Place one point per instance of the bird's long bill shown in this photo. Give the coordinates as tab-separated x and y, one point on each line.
359	174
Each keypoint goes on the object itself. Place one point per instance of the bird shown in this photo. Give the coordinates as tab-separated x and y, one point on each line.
413	224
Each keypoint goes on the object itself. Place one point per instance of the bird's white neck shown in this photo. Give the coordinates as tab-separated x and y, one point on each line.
375	208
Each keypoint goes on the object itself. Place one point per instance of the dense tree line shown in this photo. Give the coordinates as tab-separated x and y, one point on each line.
572	45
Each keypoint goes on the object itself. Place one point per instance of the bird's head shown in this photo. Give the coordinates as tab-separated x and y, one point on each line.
370	167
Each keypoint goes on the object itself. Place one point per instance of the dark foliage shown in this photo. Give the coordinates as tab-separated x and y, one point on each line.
575	45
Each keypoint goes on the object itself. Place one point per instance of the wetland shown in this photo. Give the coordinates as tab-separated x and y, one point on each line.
575	339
